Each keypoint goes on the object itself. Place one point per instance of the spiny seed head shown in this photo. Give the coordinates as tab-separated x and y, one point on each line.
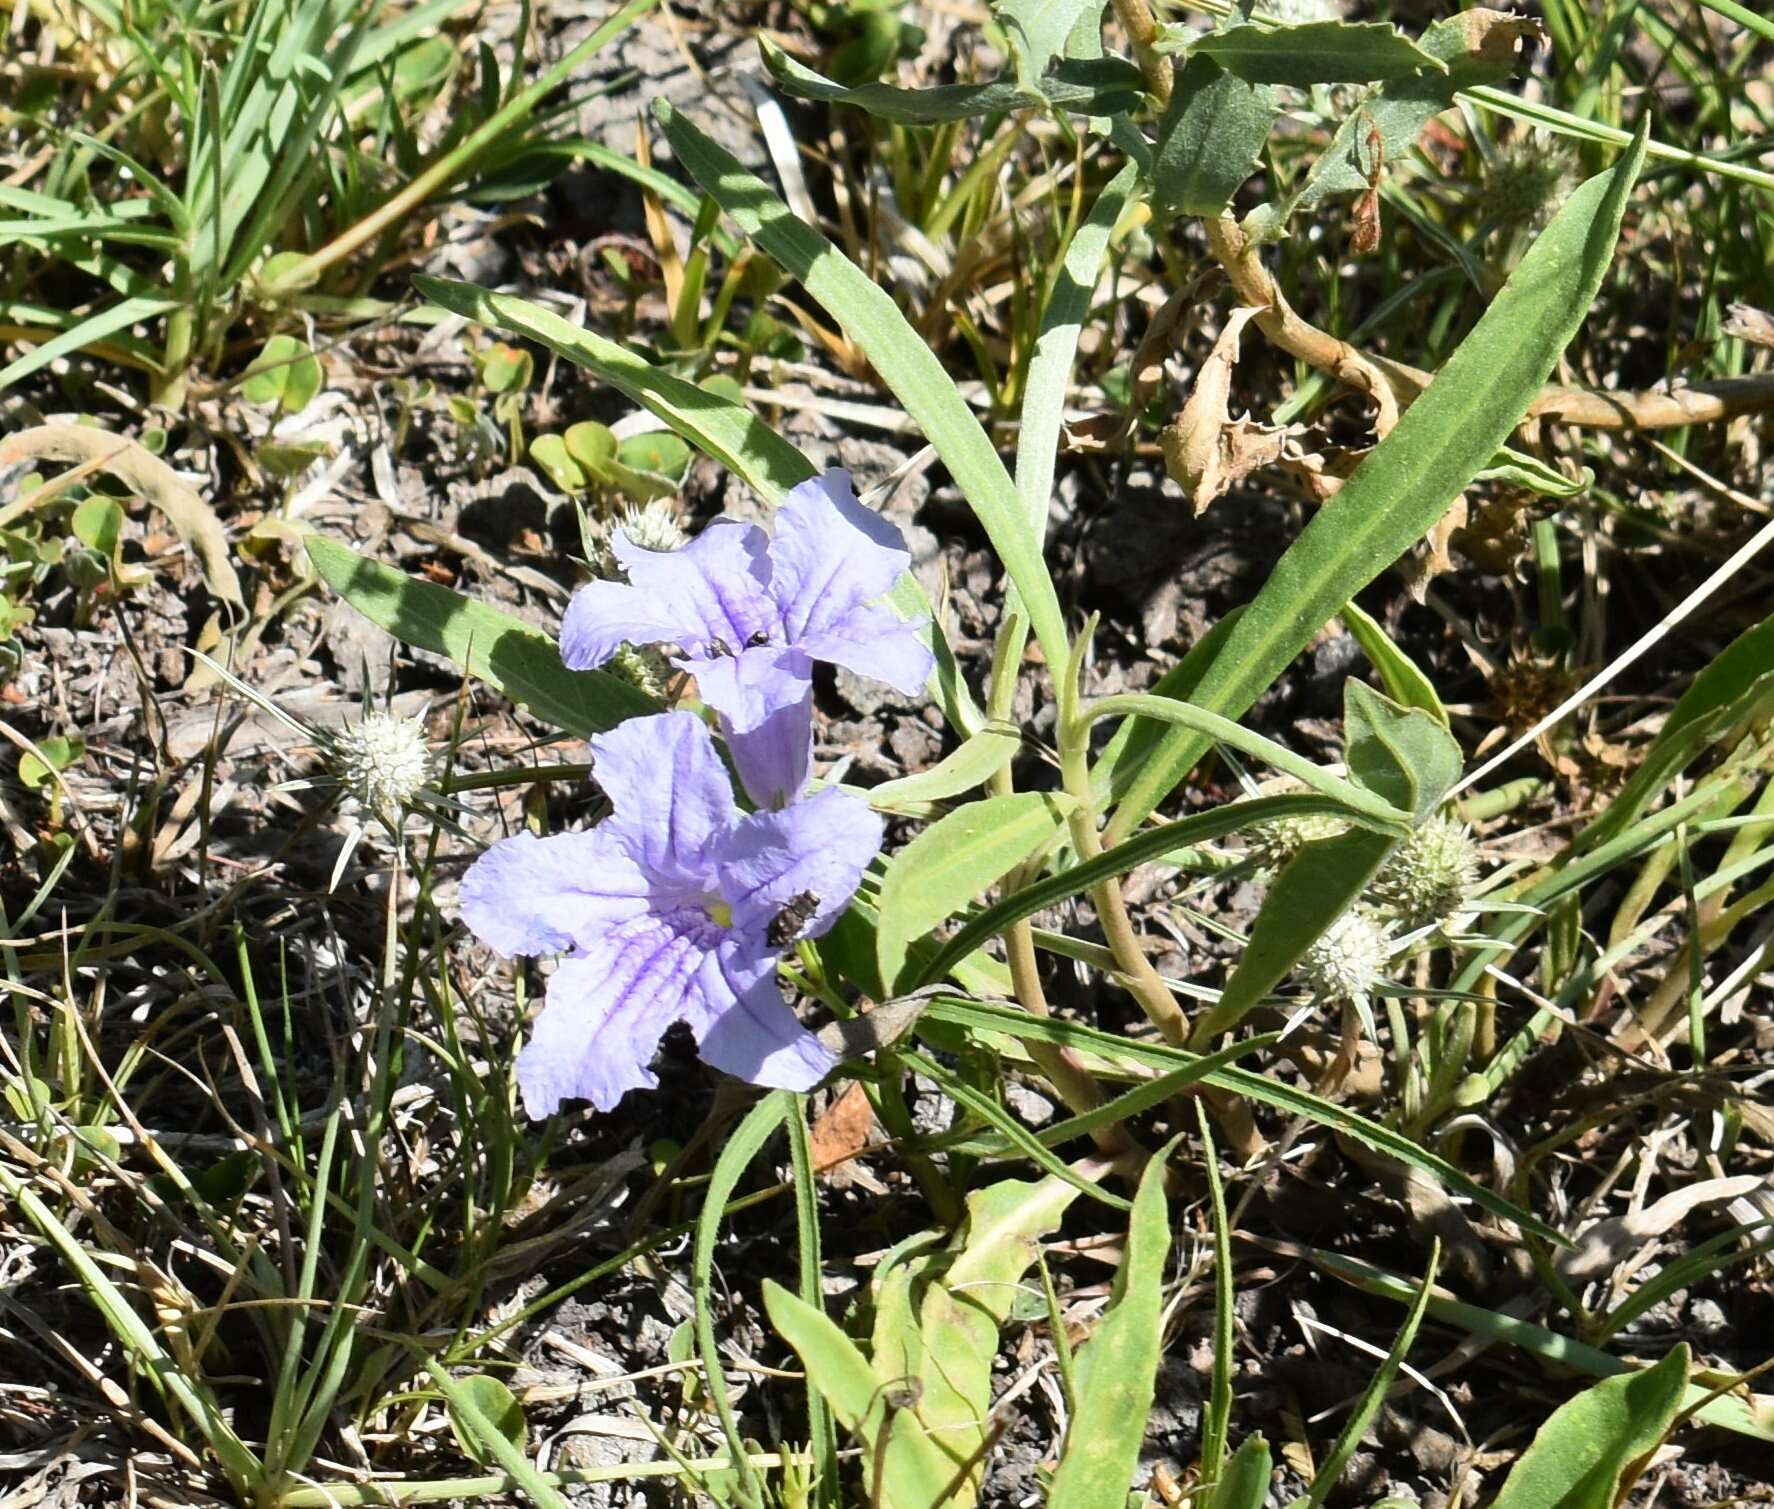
642	666
1276	843
383	761
652	526
1346	960
1429	876
1527	181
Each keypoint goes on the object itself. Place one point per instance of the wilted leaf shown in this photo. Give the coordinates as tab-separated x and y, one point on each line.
1206	451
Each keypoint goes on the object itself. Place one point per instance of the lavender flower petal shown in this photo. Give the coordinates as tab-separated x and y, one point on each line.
529	895
830	555
758	1039
606	1010
674	802
765	699
819	847
876	642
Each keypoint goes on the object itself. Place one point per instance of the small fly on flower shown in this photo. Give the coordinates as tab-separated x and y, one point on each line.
786	925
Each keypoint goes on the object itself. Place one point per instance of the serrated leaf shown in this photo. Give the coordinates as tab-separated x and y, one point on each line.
954	861
1477	47
1408	481
1579	1458
1116	1373
1317	52
506	653
1209	139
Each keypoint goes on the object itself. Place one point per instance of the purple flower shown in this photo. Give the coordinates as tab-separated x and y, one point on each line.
751	612
673	909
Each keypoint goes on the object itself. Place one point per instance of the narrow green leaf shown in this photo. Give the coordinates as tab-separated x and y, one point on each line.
506	653
1317	52
1355	1427
1316	887
1535	475
496	1407
1117	1371
1580	1458
107	321
1404	681
1209	139
1153	843
745	1144
1246	1483
984	1016
1409	480
966	769
467	1407
904	360
1104	86
1216	1418
954	861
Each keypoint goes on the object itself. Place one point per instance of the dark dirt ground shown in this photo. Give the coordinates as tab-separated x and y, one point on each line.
1123	545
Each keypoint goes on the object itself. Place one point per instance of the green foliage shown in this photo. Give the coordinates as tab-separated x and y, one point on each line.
1116	1372
1589	1453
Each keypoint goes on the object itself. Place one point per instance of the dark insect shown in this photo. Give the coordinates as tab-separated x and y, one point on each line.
786	925
1366	237
718	647
760	636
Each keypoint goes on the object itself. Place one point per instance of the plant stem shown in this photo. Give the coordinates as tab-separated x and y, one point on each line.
1142	30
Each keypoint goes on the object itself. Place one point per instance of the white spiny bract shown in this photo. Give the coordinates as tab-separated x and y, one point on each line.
1346	960
1429	877
1276	843
1526	181
652	526
383	761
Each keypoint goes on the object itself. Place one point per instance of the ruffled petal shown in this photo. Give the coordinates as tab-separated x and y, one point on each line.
797	868
876	642
604	616
715	589
758	1039
608	1006
529	895
673	798
830	555
765	699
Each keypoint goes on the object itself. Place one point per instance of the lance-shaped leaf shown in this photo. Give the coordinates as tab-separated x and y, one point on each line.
1086	86
1209	139
1317	52
1408	481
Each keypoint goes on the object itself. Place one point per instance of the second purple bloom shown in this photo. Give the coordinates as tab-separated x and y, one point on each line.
751	612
